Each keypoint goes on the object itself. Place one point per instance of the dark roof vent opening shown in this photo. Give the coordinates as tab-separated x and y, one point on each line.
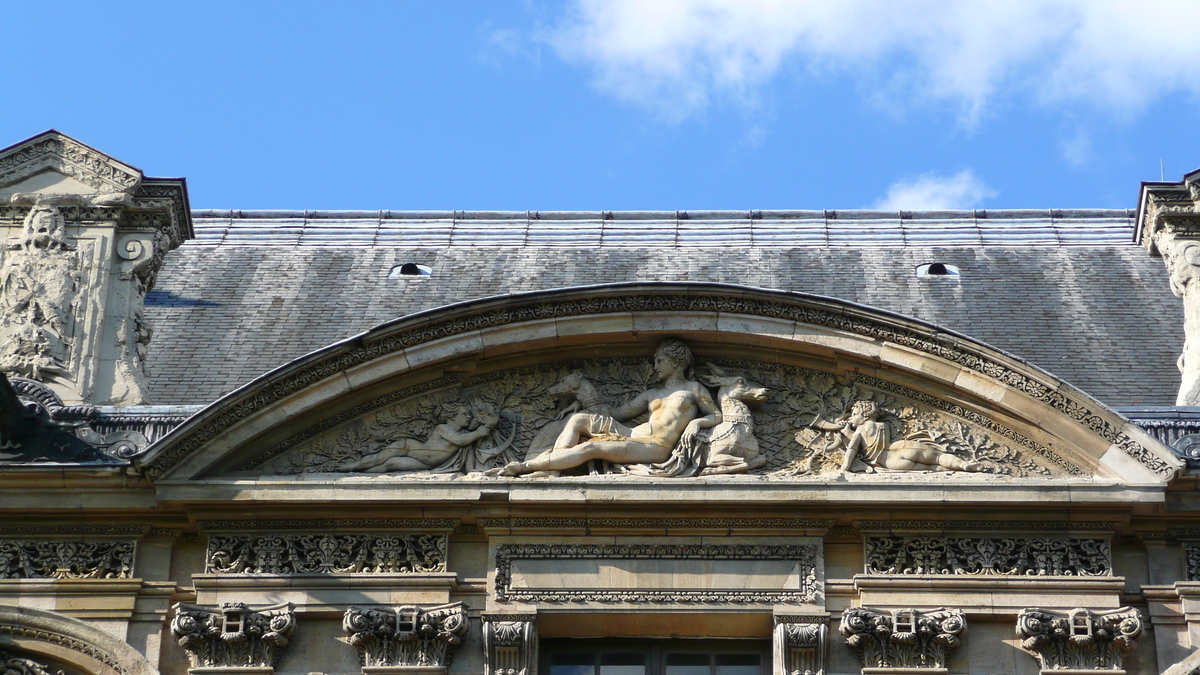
410	269
937	269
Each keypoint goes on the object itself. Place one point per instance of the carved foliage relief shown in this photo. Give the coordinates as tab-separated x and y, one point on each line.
460	424
406	636
1036	556
1080	639
904	638
49	559
326	554
234	635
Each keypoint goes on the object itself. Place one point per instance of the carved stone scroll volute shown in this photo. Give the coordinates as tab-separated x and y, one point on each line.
234	638
1079	640
903	641
407	639
799	645
510	645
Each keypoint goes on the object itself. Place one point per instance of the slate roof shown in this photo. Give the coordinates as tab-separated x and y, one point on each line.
1065	289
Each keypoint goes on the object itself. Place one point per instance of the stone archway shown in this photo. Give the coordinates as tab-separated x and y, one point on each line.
54	641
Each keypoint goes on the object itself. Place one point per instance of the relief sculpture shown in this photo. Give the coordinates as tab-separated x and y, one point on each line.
670	417
39	281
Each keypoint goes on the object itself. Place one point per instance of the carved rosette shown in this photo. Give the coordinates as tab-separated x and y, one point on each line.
903	639
1006	556
510	645
406	636
234	635
50	559
1079	639
326	554
800	645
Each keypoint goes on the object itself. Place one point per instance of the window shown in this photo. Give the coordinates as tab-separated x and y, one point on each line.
655	657
410	269
937	269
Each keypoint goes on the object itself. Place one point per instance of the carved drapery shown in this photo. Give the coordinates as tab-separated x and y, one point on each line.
406	636
799	645
57	559
903	639
326	553
234	635
1080	639
1026	556
510	645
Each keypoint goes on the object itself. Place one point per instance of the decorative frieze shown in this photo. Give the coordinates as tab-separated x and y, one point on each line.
1191	555
234	635
1080	639
56	559
804	558
903	639
326	554
1028	556
406	636
510	645
800	647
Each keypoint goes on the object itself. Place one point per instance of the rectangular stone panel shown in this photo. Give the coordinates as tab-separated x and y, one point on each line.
657	570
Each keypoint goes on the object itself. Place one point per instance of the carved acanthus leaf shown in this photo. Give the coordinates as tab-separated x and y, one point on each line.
1080	639
234	634
904	638
406	636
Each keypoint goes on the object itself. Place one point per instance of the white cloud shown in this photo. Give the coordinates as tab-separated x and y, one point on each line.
677	56
930	192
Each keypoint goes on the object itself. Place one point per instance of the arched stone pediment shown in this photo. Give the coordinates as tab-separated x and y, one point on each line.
473	386
66	644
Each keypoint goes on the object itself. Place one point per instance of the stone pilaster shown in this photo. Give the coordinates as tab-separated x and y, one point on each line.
1169	226
799	645
905	640
510	644
233	638
1079	640
409	639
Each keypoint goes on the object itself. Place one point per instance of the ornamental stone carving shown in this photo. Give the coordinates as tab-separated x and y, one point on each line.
510	644
1025	556
85	236
727	416
11	664
406	636
1079	639
903	639
234	635
799	644
51	559
326	554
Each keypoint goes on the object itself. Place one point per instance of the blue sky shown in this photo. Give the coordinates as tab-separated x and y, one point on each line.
621	104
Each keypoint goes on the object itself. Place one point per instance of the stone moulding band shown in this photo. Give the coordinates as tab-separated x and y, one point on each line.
487	314
326	524
985	526
805	555
659	523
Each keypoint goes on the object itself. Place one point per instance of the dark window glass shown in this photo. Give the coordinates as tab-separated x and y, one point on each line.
738	664
618	663
583	663
689	664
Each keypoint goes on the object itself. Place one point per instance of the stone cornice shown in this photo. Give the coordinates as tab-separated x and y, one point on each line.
458	319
